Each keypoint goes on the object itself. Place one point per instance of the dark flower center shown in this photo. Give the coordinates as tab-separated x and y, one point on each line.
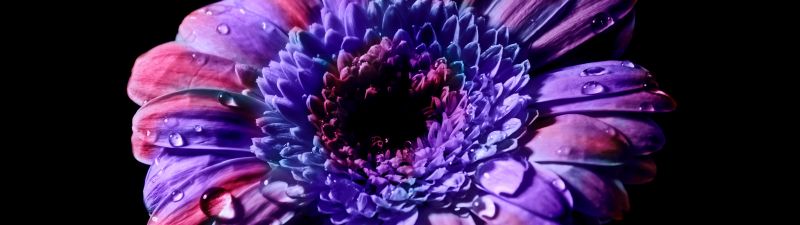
377	106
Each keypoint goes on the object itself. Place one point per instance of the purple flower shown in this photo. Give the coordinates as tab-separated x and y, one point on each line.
392	112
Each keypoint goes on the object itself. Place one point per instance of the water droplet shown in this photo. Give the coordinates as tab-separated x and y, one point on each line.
486	175
594	71
242	11
611	131
226	99
223	29
592	88
148	133
199	59
564	151
176	140
154	219
219	204
644	85
176	195
646	106
484	207
198	128
601	21
558	183
628	64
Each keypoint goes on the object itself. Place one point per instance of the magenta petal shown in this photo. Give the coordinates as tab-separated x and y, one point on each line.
173	67
639	170
590	80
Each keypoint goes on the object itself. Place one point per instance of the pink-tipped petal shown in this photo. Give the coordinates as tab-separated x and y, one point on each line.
173	67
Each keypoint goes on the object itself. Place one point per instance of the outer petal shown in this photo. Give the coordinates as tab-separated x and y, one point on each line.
247	31
553	27
177	183
444	218
577	139
172	67
597	195
195	118
537	191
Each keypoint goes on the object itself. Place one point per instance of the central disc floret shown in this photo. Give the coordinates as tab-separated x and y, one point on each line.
377	106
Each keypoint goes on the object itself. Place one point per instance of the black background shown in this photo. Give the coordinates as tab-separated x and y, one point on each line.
671	39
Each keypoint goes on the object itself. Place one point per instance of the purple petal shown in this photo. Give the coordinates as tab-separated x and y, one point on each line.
643	134
594	195
641	101
590	80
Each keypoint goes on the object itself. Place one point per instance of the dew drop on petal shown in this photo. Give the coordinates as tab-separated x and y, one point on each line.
484	207
601	21
199	59
226	99
176	140
592	88
223	29
646	107
218	203
198	128
558	183
628	64
176	195
594	71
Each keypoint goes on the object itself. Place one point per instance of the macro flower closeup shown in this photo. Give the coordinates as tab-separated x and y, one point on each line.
394	112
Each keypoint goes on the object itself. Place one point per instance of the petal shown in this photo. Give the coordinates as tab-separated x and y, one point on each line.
576	139
554	27
643	134
590	80
175	187
536	193
195	118
595	195
644	101
639	170
172	67
246	31
506	213
433	217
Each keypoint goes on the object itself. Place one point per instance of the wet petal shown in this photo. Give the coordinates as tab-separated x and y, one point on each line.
246	31
176	186
595	195
172	67
641	101
577	139
643	134
195	118
590	80
432	217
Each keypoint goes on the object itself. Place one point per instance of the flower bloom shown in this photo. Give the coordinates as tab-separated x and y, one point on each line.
393	112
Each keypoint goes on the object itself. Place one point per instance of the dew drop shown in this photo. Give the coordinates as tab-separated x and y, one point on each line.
199	59
484	207
226	99
558	183
176	196
647	107
223	29
594	71
628	64
176	140
601	21
219	204
198	128
592	88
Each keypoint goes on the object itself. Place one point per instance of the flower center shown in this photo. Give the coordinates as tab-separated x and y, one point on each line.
377	105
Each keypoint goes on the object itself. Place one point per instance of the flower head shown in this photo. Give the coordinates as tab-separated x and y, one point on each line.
391	112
